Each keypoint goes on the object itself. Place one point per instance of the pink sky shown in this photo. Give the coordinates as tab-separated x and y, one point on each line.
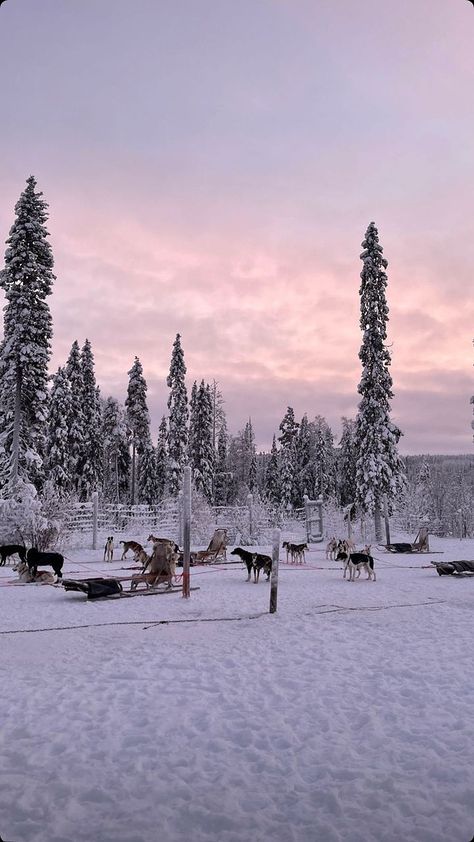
213	173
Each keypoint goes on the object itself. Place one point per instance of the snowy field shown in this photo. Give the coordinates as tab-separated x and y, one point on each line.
347	715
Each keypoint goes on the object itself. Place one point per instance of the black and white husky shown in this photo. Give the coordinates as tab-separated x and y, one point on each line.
356	562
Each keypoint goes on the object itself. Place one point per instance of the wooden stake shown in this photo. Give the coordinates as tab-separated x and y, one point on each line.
186	532
274	576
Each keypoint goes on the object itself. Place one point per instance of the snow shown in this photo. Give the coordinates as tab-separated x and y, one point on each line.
345	716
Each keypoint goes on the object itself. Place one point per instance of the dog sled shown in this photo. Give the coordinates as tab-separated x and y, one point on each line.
454	568
102	588
216	551
420	544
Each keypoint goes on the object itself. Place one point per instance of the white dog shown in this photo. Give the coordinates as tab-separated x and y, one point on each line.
109	549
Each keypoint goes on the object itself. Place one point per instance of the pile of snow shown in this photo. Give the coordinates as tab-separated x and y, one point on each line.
345	716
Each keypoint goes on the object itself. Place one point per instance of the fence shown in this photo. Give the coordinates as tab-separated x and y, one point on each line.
253	524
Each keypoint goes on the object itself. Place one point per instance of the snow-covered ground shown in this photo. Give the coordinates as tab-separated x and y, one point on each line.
347	715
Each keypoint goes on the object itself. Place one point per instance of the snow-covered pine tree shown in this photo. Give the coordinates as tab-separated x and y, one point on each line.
116	452
288	460
138	420
251	451
305	461
346	463
57	448
148	486
221	475
178	418
287	475
76	422
192	421
202	452
26	347
90	463
218	412
380	470
162	458
324	457
272	476
288	428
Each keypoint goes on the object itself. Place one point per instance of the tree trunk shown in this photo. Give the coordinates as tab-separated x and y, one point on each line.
15	463
378	524
387	520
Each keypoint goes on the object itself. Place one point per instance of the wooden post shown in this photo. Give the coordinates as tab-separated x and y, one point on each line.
251	523
180	519
274	576
186	532
387	520
133	493
95	518
307	516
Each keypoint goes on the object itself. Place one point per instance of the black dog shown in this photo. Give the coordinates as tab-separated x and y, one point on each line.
261	562
246	557
255	562
11	549
35	559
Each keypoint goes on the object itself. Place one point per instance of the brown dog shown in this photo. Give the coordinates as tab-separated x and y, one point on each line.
134	546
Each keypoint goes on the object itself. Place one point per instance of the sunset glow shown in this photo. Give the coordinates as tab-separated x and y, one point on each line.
211	169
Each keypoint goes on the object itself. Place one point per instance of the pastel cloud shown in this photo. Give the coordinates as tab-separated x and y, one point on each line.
213	174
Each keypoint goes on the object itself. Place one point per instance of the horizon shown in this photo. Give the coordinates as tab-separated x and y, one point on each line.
213	174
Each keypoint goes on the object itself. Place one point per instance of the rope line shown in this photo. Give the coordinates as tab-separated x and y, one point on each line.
147	624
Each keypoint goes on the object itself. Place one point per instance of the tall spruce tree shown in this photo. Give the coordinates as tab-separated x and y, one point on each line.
288	458
178	418
379	470
26	347
90	463
272	476
76	424
148	486
305	463
221	475
202	452
346	463
116	452
57	449
192	421
162	458
138	420
324	457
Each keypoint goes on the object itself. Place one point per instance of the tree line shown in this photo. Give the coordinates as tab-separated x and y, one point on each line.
66	433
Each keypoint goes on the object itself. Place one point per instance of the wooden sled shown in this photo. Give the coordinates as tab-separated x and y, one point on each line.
420	544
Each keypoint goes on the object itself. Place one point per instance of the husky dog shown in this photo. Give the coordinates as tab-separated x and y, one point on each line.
254	562
25	575
295	551
331	549
109	549
247	557
356	562
134	546
261	562
143	558
11	549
